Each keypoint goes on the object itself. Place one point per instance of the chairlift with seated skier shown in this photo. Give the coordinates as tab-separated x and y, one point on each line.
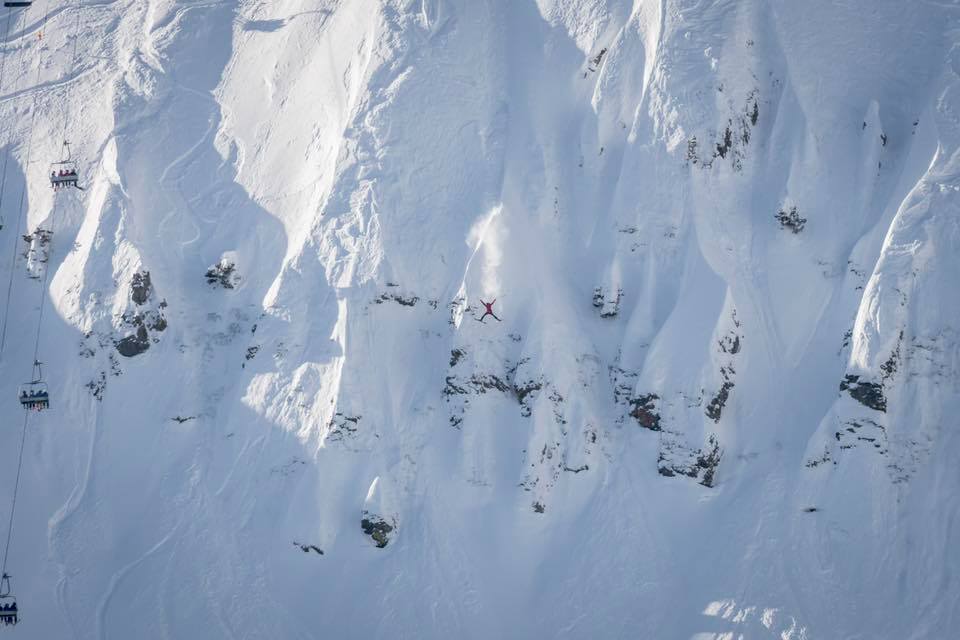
34	394
64	173
8	603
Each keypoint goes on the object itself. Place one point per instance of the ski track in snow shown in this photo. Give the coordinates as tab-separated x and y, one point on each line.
69	508
117	577
181	206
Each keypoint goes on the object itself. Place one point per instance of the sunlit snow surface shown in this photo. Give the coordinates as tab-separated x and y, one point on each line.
724	240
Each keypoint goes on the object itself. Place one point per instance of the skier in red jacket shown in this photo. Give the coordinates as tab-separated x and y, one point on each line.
489	310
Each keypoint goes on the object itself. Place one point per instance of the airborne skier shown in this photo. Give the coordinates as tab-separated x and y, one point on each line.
489	310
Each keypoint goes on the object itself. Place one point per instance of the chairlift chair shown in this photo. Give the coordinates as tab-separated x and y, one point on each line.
34	394
8	603
63	174
17	4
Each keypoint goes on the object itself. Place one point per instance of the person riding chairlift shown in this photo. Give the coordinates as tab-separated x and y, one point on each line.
9	612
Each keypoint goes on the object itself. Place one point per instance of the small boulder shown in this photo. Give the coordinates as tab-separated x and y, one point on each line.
377	528
134	344
869	394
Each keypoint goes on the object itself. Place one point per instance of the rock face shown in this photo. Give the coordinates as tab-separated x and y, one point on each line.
147	316
307	548
223	274
140	288
791	220
374	522
37	253
700	464
715	409
377	528
644	411
607	302
134	344
869	394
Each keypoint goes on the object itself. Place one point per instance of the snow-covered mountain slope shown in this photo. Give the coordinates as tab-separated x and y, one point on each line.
723	241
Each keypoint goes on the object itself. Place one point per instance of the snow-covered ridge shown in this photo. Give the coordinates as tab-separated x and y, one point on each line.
719	401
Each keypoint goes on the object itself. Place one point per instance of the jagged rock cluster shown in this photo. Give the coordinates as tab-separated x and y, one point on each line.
37	253
145	318
223	274
729	144
377	529
607	302
512	382
790	220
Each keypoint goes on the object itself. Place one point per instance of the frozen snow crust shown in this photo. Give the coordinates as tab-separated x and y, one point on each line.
724	245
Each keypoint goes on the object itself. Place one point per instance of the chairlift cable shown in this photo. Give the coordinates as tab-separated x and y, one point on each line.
16	486
26	414
6	156
6	35
43	288
3	64
53	217
23	193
